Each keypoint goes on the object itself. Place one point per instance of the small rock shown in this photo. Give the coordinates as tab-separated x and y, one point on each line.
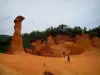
48	73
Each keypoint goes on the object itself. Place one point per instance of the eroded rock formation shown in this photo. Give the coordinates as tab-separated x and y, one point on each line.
57	39
83	43
96	42
30	51
50	40
61	39
37	44
55	46
77	49
16	42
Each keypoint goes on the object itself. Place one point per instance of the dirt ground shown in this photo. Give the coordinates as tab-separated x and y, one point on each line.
27	64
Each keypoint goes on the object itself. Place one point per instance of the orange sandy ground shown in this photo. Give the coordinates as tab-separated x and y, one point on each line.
27	64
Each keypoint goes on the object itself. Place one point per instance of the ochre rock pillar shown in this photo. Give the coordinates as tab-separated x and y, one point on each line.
16	42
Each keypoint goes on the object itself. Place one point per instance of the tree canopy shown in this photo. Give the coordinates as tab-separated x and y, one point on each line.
28	38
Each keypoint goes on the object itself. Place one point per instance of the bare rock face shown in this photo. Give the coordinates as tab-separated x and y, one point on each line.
50	40
77	49
45	50
16	42
65	38
30	51
78	37
59	39
96	42
82	44
46	47
37	44
84	41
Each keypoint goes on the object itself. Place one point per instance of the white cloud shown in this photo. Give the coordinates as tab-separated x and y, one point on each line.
41	14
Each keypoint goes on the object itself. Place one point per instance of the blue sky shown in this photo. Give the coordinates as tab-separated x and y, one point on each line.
41	14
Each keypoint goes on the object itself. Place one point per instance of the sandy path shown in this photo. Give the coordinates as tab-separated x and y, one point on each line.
34	65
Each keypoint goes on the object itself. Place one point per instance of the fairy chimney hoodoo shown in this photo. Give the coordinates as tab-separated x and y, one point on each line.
16	42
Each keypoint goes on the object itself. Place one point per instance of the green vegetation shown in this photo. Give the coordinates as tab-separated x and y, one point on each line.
4	42
42	35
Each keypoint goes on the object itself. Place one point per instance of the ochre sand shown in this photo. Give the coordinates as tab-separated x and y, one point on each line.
27	64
